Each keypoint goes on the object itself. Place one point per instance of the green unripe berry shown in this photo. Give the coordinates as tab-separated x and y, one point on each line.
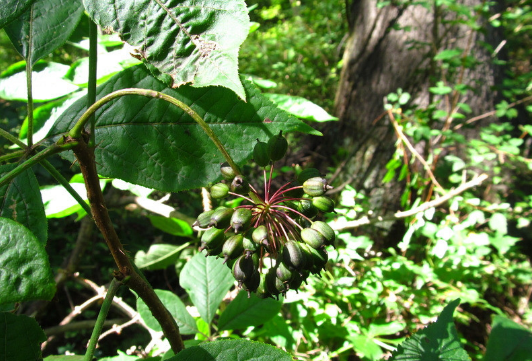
293	256
260	154
312	237
323	203
260	235
277	146
219	191
326	231
221	217
243	269
213	238
204	219
239	185
316	186
252	284
233	247
227	172
283	273
241	219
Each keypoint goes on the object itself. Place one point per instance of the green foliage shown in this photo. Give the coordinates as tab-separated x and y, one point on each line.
372	294
241	350
204	38
207	281
439	341
22	337
26	273
176	141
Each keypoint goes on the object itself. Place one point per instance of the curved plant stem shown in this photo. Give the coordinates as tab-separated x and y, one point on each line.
17	154
12	139
53	149
106	305
30	102
76	131
62	180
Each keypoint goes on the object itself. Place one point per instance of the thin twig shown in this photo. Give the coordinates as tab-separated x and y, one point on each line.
365	220
405	140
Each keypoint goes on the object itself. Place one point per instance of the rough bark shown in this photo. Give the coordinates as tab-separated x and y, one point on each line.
385	51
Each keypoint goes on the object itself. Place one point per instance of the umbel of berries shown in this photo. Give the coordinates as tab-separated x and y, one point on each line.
275	239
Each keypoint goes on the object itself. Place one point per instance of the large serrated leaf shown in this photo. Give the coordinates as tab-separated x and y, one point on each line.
25	271
234	350
44	27
150	142
438	341
185	41
207	280
20	338
20	200
176	307
243	312
12	9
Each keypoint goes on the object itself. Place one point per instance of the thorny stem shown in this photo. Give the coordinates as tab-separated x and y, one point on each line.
126	270
77	130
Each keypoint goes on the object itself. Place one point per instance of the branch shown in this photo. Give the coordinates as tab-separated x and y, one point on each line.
405	140
365	220
127	272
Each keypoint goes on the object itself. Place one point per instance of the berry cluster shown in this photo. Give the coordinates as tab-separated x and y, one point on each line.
273	242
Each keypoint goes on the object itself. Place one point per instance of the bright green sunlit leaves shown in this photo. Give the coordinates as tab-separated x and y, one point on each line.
206	280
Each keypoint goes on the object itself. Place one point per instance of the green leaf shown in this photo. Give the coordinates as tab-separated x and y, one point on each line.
108	65
366	347
44	27
301	107
12	9
438	341
237	350
508	341
243	312
182	42
13	82
207	280
21	337
440	89
171	225
58	203
448	54
26	273
20	200
498	223
168	150
45	116
176	307
159	256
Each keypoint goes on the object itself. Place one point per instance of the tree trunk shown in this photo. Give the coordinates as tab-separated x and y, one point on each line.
389	48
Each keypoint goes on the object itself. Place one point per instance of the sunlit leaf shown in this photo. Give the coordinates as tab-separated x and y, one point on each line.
182	42
207	281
